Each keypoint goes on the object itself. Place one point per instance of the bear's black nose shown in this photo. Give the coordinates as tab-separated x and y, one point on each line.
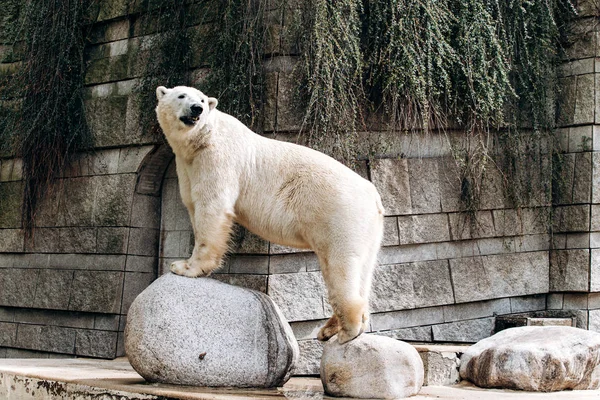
196	110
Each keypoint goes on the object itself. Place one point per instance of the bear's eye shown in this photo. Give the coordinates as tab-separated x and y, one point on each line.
181	96
202	101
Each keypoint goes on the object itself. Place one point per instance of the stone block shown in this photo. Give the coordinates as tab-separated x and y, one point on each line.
528	303
492	189
595	270
77	240
497	276
536	220
11	170
450	184
489	308
566	107
53	289
554	301
101	162
81	261
96	291
300	296
248	264
143	242
507	222
562	184
582	182
46	338
575	301
289	263
407	318
304	330
471	226
594	320
92	343
420	284
106	117
595	179
11	240
289	116
11	199
130	158
134	284
391	178
77	202
145	212
112	240
578	240
390	232
17	287
580	139
310	358
496	245
55	318
427	228
141	264
532	243
408	253
585	100
254	282
595	223
113	199
44	240
8	334
569	270
270	103
7	314
106	322
470	331
571	218
414	334
424	183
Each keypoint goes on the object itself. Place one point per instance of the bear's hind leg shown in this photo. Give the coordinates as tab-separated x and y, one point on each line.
343	278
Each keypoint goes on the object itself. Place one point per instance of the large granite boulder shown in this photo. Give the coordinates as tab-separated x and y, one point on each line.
371	367
203	332
535	358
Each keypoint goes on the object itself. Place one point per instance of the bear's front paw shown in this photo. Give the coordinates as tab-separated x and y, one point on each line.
183	268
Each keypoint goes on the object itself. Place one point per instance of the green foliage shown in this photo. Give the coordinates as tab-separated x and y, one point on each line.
238	36
331	74
226	37
46	121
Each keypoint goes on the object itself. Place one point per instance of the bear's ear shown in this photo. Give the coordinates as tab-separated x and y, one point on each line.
161	91
212	103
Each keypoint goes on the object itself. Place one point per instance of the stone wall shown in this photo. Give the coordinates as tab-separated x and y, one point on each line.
115	222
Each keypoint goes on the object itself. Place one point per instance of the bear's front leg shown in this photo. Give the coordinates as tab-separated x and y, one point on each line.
212	230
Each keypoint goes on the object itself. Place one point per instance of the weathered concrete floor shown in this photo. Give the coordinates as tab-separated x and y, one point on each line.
91	379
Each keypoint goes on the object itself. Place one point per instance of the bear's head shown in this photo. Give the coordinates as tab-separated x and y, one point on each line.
183	108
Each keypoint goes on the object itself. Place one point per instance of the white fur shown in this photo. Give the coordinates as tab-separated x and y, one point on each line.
285	193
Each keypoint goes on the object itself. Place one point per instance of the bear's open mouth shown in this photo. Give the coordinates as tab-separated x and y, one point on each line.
188	120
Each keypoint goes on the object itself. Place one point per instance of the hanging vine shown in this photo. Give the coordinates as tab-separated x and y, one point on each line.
44	119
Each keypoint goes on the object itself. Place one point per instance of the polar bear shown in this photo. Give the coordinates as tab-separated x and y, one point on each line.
286	193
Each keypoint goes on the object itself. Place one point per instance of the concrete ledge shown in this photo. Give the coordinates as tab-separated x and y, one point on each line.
81	378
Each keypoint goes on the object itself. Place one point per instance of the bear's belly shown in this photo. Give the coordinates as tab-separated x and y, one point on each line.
276	232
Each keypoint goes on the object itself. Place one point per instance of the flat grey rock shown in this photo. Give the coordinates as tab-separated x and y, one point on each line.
201	332
535	358
371	367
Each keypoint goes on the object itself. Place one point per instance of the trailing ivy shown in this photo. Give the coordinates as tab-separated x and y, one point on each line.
45	122
330	74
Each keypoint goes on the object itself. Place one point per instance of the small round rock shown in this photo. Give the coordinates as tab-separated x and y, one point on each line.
535	358
201	332
371	367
